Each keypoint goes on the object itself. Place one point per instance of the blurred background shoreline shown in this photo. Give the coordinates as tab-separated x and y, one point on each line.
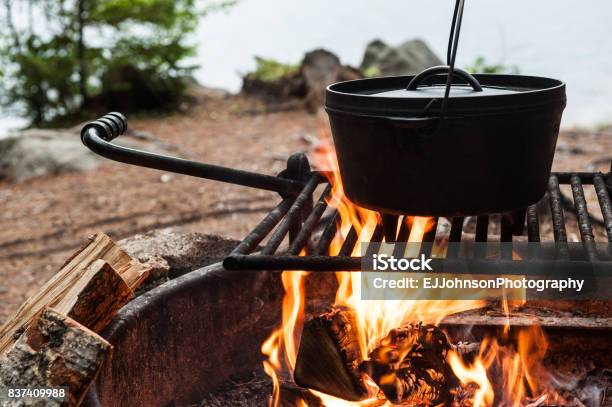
565	39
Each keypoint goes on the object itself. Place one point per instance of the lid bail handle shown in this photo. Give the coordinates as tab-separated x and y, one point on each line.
436	70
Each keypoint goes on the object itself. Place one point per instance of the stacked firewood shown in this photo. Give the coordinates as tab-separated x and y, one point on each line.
53	340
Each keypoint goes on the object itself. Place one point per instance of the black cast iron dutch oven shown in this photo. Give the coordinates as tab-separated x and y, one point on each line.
489	150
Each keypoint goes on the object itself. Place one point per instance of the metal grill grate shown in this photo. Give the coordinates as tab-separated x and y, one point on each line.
299	218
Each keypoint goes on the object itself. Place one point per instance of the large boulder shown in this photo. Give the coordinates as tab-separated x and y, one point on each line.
302	86
319	69
409	58
36	152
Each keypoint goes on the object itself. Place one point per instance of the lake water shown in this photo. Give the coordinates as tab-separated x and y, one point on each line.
564	39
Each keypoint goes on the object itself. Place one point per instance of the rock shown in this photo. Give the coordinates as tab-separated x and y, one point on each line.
200	92
373	54
302	87
319	69
409	58
172	252
165	178
36	152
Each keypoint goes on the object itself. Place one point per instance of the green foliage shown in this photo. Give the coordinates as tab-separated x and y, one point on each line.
96	54
603	127
480	65
38	77
270	70
371	72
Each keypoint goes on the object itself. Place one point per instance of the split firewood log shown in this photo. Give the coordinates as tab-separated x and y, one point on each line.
55	351
329	356
91	286
97	303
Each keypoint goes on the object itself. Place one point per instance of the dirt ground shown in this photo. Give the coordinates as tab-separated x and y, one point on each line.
43	220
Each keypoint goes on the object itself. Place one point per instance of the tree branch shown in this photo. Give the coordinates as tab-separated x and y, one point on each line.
9	23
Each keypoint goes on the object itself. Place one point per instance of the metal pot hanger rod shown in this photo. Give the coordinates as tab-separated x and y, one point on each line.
98	136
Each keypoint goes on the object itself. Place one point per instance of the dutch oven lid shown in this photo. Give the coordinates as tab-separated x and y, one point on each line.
410	96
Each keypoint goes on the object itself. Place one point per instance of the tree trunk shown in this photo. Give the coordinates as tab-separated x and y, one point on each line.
81	17
9	23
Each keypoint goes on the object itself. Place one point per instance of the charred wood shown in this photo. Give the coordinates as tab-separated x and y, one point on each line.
410	365
291	395
329	356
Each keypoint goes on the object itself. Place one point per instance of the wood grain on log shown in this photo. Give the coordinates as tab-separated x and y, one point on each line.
97	303
62	290
329	356
56	351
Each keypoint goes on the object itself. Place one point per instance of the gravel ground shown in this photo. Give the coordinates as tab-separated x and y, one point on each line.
251	391
43	220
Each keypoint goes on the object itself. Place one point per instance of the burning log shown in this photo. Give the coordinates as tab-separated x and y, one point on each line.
329	356
410	365
55	351
291	395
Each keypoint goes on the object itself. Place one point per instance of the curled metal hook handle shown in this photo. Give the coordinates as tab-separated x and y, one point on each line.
109	126
97	136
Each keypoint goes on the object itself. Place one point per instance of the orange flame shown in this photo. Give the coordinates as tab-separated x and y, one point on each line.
510	371
514	371
475	373
281	344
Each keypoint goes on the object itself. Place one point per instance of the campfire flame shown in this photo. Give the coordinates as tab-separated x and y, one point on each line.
501	373
507	374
